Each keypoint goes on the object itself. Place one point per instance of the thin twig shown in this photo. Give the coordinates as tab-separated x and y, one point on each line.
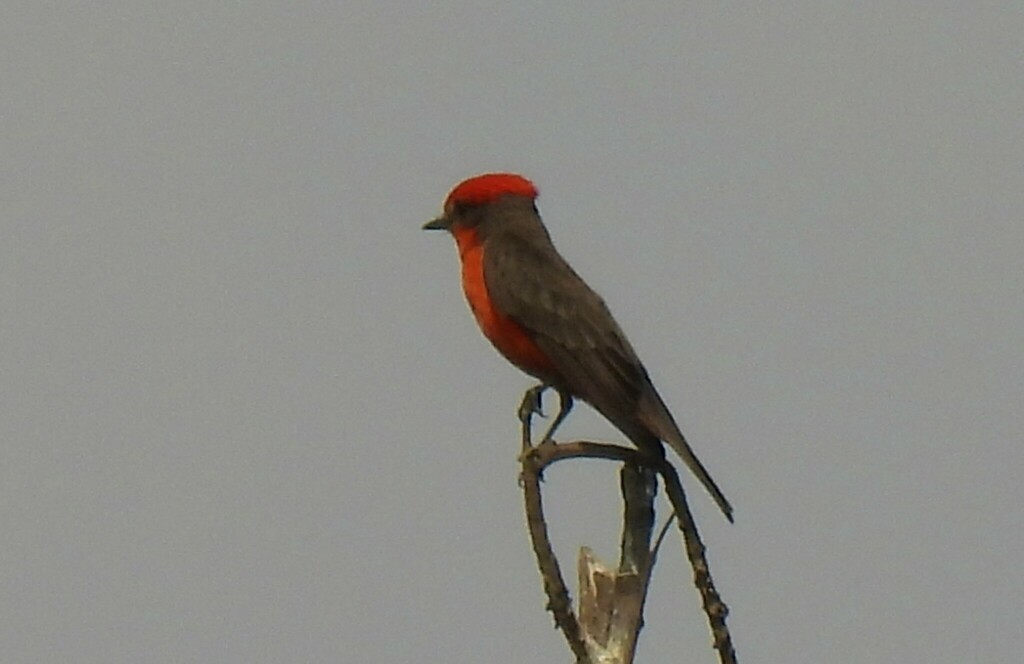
661	536
714	607
536	459
554	585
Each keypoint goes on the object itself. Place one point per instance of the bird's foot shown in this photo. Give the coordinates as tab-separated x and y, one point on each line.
532	404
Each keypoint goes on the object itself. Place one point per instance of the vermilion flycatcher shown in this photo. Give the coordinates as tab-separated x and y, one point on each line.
547	321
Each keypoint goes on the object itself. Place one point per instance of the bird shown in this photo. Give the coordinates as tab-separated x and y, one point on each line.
544	318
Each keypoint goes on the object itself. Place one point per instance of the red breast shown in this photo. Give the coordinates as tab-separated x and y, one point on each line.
510	338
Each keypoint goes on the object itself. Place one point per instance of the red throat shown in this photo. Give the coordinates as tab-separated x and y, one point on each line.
510	338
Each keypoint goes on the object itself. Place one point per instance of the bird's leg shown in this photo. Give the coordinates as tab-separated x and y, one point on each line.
531	405
565	402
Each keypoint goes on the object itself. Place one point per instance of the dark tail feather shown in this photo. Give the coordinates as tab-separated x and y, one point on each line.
682	448
657	418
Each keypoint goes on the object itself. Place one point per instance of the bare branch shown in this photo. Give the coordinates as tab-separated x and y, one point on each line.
611	602
554	586
639	486
714	607
550	572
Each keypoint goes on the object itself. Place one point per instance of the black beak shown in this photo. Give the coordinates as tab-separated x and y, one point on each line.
439	224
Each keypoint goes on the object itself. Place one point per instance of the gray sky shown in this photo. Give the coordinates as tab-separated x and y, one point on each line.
247	417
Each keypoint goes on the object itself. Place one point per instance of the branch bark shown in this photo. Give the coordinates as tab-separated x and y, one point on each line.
714	608
612	601
603	591
554	586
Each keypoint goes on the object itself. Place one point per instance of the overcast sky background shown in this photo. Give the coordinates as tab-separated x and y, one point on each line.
246	415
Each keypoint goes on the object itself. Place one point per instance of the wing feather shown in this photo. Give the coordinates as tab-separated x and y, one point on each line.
532	284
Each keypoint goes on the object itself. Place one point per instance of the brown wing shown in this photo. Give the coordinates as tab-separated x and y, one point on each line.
531	283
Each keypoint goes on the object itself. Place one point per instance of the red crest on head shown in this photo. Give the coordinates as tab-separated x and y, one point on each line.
489	187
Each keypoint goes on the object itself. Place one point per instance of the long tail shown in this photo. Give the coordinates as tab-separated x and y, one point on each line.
657	418
684	451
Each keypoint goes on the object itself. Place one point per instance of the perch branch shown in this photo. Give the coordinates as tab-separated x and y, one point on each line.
714	607
554	585
611	604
